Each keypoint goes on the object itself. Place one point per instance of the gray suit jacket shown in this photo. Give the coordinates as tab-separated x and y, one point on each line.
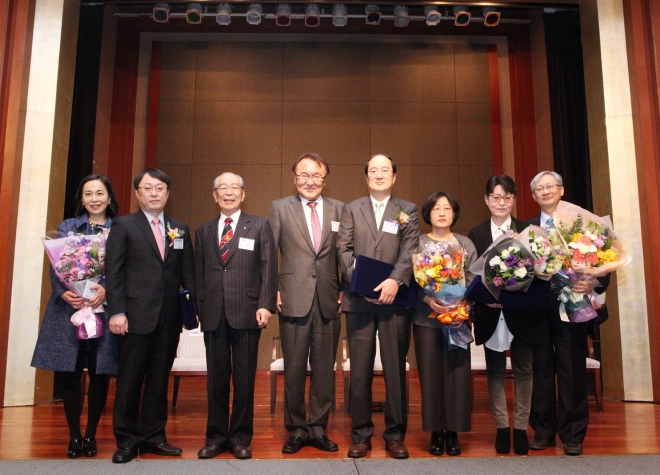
359	235
243	284
301	269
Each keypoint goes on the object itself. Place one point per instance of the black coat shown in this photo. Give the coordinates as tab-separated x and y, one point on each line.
525	326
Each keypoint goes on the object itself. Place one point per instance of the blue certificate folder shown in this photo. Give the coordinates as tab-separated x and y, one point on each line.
369	273
188	312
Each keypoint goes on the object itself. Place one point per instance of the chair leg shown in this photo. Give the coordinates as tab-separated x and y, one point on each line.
599	390
472	395
408	392
273	390
347	390
175	391
334	394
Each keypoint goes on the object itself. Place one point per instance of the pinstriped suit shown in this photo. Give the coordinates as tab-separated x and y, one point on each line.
229	295
359	235
309	321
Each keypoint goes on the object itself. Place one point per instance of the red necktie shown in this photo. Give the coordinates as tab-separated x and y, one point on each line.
160	240
227	234
316	226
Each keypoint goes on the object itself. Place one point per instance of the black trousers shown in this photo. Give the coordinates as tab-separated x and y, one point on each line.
315	337
563	352
231	353
394	336
145	362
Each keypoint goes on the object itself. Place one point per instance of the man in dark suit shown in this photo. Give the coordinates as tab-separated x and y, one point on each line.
149	256
375	226
236	282
563	349
305	228
501	329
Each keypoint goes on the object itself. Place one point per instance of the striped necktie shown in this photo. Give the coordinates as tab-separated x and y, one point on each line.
227	234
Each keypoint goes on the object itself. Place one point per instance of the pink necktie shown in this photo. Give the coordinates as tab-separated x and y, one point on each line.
316	226
159	237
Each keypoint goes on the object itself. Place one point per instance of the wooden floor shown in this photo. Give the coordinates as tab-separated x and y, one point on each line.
40	432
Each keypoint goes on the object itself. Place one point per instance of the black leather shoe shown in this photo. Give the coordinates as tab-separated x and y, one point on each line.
163	448
437	444
503	440
520	442
293	445
541	444
89	447
124	455
573	448
242	451
452	443
75	448
323	443
210	451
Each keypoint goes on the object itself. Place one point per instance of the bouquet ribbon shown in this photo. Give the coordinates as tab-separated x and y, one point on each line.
459	314
88	319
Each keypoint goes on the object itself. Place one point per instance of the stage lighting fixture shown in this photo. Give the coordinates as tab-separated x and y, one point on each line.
283	15
433	15
312	15
491	16
462	16
339	13
253	16
194	13
224	14
373	15
161	13
401	17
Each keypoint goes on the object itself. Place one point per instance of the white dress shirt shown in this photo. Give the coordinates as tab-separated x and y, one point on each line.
501	339
221	223
544	220
308	214
375	204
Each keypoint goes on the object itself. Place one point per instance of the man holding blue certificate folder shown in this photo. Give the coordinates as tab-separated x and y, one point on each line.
385	228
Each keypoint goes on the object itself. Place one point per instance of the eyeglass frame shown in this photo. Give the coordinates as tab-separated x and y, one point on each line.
541	189
233	188
507	198
382	171
160	189
316	179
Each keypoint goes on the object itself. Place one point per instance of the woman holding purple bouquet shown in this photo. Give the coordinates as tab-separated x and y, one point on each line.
444	366
58	348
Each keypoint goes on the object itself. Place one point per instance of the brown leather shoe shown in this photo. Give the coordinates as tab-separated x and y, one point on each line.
209	451
357	451
242	451
396	449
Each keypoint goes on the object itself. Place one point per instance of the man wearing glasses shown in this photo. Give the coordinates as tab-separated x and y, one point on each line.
305	227
149	256
501	329
236	282
385	228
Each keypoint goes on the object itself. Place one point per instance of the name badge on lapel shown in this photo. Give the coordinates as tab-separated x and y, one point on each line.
335	226
178	243
390	227
247	244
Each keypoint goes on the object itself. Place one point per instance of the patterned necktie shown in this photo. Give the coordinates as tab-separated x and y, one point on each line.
379	213
316	226
227	234
158	235
550	224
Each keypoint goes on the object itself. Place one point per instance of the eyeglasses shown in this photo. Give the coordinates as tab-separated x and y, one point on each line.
225	188
160	189
541	189
316	179
382	171
497	198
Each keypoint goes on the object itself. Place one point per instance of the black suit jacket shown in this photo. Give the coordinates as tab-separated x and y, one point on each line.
525	326
243	284
603	314
139	283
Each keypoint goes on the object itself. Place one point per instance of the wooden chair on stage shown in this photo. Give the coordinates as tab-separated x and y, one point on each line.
378	371
277	369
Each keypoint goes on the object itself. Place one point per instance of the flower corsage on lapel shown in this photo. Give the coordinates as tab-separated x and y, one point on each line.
403	219
174	234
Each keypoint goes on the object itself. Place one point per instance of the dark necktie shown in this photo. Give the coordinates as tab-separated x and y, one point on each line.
227	234
316	226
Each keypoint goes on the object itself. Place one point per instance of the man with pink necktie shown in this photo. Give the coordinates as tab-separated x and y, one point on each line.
305	227
149	256
236	282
